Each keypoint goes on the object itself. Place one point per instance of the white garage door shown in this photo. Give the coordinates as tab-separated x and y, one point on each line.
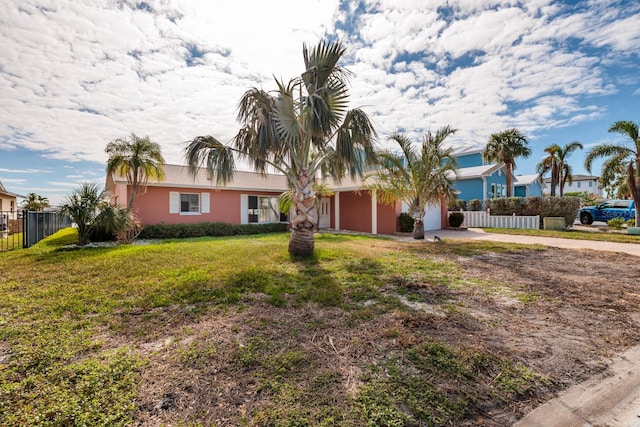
432	217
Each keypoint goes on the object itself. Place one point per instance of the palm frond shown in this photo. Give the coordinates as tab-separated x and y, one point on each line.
214	156
605	150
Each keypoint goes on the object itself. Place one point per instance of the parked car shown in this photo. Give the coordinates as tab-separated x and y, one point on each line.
607	210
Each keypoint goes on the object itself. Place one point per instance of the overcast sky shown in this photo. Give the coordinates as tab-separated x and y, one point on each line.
75	75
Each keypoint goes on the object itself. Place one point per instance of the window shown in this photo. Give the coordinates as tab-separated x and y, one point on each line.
579	184
189	203
262	209
590	183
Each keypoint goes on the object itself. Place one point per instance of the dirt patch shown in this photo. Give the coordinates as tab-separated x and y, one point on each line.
561	313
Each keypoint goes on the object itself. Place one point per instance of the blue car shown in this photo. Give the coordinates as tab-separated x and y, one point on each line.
608	210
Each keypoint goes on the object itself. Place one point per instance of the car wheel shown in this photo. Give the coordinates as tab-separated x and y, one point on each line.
585	218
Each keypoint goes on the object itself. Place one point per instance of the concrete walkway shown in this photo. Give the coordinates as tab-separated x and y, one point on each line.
479	234
611	399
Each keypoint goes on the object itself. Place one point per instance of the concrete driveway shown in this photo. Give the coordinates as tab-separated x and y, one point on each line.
480	234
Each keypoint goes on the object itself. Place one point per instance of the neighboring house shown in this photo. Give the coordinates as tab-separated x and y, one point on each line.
8	200
253	198
579	183
478	179
528	186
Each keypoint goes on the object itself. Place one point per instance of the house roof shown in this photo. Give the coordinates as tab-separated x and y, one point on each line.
463	151
527	179
477	171
4	192
178	176
575	178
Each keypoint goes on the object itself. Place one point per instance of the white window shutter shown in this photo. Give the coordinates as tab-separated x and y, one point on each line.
244	207
174	202
206	205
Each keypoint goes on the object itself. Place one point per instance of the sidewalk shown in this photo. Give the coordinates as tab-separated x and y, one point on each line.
611	399
479	234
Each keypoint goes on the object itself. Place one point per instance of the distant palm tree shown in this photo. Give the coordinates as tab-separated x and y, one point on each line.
35	202
417	176
138	159
564	169
505	147
550	164
618	155
303	130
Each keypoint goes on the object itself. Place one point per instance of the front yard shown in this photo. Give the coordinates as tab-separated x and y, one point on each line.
372	331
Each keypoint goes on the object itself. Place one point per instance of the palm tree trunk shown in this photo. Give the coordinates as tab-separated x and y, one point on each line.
418	229
508	168
303	223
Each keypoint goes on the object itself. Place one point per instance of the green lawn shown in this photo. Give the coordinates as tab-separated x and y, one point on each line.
89	336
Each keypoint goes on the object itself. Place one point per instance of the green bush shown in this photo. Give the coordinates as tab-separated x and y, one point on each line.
585	198
631	222
457	205
456	219
566	207
616	223
218	229
475	205
405	223
507	206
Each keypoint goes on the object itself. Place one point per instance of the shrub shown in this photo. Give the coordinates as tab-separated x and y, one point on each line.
616	223
457	205
566	207
456	219
586	199
631	222
216	229
405	223
475	205
507	206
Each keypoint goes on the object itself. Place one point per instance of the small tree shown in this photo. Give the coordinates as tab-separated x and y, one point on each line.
89	208
417	176
505	147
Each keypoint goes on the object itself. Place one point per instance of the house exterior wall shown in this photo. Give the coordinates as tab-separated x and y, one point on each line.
224	205
470	160
520	191
355	211
388	217
8	203
469	189
590	186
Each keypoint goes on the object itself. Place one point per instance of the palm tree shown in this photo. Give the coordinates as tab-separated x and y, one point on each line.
505	147
303	130
618	155
417	176
564	169
139	159
35	202
550	164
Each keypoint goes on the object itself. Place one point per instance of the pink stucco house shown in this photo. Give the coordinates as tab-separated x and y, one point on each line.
252	198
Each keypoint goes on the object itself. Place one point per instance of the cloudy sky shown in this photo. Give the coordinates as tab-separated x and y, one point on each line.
76	74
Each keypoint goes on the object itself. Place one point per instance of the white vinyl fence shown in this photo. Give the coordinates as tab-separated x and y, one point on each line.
485	219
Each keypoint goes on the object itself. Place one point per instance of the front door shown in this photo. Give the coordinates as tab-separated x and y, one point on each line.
324	216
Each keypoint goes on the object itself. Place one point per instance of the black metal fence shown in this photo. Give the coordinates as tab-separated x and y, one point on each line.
23	229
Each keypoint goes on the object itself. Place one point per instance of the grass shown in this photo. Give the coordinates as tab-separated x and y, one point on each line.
570	234
73	323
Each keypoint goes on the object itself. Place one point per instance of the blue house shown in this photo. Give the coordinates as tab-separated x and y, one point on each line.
528	186
477	179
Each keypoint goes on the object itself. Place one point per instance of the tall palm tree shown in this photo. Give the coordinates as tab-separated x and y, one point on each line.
505	147
417	176
619	154
303	129
564	169
550	164
139	159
